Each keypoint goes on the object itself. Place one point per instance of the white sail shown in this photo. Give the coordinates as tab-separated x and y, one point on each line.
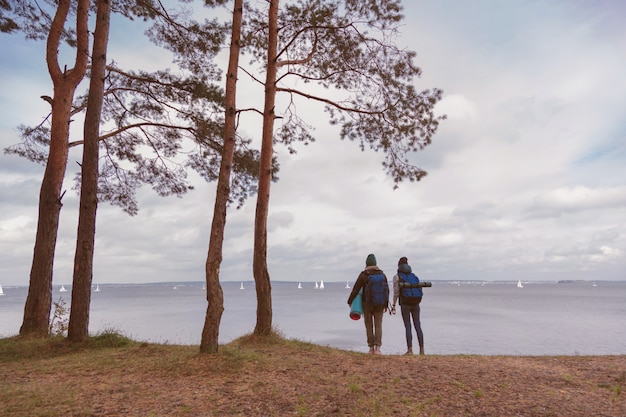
519	283
316	286
97	287
299	285
241	288
62	288
1	292
321	284
347	285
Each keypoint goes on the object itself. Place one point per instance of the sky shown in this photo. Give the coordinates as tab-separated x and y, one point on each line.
526	178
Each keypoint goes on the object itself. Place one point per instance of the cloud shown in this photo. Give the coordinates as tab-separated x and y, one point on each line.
526	177
581	198
456	106
279	220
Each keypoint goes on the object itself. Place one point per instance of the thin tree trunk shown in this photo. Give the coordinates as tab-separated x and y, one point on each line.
215	296
261	275
39	299
83	259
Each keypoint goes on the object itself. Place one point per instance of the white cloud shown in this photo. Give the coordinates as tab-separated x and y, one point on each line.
581	198
15	224
457	106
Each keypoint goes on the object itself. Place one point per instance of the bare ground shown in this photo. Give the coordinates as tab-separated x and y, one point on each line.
298	379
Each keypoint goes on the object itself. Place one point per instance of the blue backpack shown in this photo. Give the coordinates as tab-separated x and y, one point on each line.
409	290
377	290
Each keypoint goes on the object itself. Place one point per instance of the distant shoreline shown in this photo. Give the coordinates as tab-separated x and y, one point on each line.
434	281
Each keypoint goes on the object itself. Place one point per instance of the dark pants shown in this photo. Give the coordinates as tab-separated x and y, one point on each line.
408	311
373	318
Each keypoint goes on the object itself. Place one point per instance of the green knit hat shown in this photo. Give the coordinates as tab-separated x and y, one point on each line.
371	260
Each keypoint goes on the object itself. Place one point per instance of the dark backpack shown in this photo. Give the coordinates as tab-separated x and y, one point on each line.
408	286
377	290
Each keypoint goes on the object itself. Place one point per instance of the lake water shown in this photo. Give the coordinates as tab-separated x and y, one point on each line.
457	317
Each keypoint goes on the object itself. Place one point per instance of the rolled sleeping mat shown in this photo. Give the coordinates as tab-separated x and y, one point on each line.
356	308
420	284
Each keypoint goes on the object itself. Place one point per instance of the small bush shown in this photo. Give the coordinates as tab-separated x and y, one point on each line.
109	338
275	337
59	323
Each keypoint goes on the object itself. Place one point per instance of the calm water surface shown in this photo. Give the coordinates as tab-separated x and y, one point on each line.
457	318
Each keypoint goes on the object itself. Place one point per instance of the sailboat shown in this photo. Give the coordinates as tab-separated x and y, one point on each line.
347	285
62	288
519	283
97	288
241	288
316	286
321	284
299	285
1	292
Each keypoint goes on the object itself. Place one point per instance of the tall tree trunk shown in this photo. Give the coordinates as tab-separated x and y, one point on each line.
215	296
261	275
83	259
39	299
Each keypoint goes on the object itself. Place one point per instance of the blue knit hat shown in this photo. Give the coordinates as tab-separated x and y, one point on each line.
371	260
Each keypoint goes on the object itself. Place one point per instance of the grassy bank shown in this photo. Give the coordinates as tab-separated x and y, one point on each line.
112	376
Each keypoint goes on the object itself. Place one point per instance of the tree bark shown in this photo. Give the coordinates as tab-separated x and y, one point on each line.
83	258
261	275
39	299
215	296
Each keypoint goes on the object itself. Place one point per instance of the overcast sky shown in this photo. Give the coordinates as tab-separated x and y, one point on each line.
526	179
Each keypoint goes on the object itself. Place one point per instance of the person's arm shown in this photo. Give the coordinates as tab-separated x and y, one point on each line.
396	292
387	307
356	288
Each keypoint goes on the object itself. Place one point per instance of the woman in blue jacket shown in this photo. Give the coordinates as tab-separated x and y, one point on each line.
410	297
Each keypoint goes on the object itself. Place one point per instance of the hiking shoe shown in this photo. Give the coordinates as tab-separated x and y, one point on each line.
372	350
377	350
409	351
